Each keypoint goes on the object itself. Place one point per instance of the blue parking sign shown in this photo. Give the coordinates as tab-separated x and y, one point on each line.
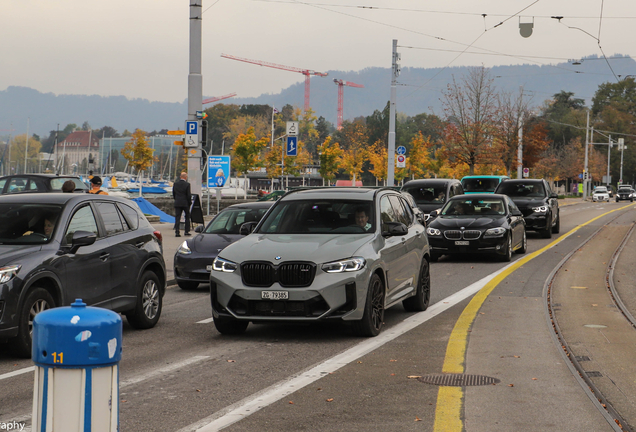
218	171
292	146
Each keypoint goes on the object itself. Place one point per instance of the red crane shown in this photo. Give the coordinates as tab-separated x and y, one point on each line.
218	98
341	85
305	72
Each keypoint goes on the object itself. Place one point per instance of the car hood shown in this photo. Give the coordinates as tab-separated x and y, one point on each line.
318	248
466	223
212	243
12	253
529	202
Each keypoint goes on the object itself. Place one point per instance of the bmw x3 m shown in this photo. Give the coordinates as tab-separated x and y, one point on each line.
324	254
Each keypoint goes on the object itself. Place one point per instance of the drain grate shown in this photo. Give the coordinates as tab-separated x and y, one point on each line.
582	358
594	374
458	380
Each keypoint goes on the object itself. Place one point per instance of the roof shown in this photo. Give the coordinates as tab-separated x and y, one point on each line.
432	181
41	176
486	176
252	205
523	180
356	193
56	198
478	196
80	139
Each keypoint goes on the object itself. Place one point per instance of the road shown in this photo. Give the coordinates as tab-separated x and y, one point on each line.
493	321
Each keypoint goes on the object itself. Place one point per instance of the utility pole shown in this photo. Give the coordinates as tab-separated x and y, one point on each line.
26	146
609	147
520	148
195	93
395	68
621	147
586	175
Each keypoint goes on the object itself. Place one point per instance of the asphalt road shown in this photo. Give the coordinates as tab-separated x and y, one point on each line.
486	319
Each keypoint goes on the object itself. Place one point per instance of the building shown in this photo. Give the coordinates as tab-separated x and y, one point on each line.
78	153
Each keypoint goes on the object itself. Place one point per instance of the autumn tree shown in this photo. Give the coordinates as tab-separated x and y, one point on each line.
355	152
420	163
330	155
17	152
138	154
379	158
512	111
246	152
272	161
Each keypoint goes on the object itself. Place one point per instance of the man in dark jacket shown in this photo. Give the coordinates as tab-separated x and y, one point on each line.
182	202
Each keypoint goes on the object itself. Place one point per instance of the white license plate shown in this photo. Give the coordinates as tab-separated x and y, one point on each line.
209	268
462	243
274	295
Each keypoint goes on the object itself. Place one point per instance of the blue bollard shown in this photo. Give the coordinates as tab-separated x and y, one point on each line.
76	350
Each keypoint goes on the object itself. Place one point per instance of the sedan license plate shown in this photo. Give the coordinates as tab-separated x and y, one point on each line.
274	295
208	268
462	243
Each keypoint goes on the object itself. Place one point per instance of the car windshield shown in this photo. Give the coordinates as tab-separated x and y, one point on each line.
515	189
460	207
600	189
427	194
483	185
56	183
319	217
22	224
229	221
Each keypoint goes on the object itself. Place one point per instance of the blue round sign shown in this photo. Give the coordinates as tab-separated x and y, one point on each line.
401	150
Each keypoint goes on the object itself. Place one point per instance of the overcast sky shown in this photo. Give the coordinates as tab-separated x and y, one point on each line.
139	48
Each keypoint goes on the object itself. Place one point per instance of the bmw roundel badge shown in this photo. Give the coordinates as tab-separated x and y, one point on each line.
277	257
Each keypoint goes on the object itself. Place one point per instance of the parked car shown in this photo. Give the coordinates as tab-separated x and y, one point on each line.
482	183
324	254
600	194
625	192
478	223
537	202
193	260
55	248
34	183
432	194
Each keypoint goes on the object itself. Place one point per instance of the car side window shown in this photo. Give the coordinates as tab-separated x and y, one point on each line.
110	216
2	183
17	185
511	204
82	220
387	214
400	210
132	217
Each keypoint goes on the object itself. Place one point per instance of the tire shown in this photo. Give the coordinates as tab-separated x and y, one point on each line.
557	226
419	302
372	320
508	255
524	244
149	303
229	326
188	286
36	301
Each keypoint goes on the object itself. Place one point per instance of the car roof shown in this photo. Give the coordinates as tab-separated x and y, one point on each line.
41	176
357	193
485	176
251	205
435	181
522	181
478	196
56	198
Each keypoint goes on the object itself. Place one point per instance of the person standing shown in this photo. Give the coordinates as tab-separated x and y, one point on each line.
96	186
182	200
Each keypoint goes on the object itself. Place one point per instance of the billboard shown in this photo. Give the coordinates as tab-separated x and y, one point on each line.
218	171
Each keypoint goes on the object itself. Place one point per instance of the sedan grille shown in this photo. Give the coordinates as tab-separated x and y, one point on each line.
471	234
453	235
288	274
466	235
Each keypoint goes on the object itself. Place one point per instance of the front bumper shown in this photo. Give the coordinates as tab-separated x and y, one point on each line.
442	246
192	269
537	221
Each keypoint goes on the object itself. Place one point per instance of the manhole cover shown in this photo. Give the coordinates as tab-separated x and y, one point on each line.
458	380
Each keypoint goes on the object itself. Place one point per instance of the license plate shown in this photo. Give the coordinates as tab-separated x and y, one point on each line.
274	295
462	243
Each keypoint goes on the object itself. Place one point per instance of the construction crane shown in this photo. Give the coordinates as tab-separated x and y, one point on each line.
218	98
305	72
341	84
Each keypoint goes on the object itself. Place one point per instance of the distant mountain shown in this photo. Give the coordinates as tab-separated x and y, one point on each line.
419	91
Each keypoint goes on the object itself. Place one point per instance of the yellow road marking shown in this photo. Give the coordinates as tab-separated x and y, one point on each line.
448	411
578	287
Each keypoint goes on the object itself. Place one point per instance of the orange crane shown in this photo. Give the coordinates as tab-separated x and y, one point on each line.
218	98
305	72
341	85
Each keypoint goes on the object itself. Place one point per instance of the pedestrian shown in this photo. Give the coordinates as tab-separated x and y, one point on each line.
68	186
182	200
96	186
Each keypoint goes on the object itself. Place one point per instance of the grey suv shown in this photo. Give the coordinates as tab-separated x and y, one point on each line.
324	254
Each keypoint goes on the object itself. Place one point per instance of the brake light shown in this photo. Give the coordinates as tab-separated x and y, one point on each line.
158	235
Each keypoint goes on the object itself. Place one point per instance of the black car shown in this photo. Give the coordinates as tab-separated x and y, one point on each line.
55	248
34	183
537	202
432	194
193	260
477	223
625	193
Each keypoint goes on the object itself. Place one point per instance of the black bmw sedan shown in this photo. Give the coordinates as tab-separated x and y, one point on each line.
477	223
193	260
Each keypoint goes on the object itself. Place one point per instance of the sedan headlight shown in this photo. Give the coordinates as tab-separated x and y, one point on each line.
184	249
542	209
495	232
222	265
433	232
346	265
7	273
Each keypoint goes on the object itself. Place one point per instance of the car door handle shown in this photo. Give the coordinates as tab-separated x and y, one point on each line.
104	256
139	244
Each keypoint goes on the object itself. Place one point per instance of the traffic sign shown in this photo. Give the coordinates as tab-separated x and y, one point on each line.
526	172
178	143
292	146
176	132
192	134
218	171
401	161
401	150
292	128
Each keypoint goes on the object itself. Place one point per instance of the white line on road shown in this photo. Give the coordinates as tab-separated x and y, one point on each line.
17	372
205	321
162	371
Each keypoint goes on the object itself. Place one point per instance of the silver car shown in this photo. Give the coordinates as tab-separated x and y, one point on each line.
324	254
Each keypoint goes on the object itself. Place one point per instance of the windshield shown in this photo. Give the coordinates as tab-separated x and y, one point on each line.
520	189
459	207
229	221
482	185
27	223
600	189
427	194
319	217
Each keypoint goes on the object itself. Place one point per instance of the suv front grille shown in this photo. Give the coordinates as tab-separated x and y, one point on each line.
287	274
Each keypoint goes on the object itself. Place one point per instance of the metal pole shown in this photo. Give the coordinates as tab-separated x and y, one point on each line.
586	175
26	146
195	92
391	150
622	146
609	147
272	138
520	148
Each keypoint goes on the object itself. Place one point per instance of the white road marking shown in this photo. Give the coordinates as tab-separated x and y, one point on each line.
17	372
205	321
280	390
162	371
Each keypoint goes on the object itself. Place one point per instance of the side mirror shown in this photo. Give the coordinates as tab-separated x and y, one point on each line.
199	229
394	229
553	195
247	228
433	214
82	238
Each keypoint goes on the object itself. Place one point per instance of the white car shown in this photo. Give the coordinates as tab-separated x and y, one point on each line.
600	194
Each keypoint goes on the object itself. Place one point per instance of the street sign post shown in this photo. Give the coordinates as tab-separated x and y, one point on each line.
191	134
292	128
218	171
401	150
292	146
176	132
401	161
526	172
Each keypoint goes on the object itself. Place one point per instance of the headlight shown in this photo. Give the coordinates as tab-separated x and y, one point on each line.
542	209
222	265
495	232
433	232
184	249
346	265
7	273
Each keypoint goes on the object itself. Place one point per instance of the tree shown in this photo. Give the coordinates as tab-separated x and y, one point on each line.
138	154
330	155
470	107
561	112
420	163
246	152
260	127
621	95
512	112
379	158
355	151
219	118
18	153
